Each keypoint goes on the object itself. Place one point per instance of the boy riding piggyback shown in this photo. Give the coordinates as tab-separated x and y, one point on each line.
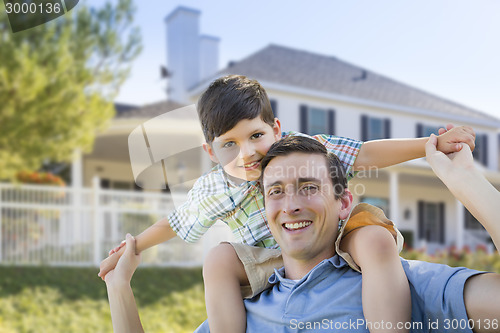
239	128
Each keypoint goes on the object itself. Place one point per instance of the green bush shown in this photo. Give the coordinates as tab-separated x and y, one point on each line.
479	259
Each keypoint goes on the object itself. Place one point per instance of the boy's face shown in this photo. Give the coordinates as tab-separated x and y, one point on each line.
241	149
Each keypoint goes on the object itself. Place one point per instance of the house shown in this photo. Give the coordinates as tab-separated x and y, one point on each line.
309	92
315	93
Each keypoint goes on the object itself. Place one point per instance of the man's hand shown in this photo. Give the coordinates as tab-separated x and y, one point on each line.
126	265
449	139
445	166
110	262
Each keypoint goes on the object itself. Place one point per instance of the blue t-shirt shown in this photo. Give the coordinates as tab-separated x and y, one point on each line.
328	299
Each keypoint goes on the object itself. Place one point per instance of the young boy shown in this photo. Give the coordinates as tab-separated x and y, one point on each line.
239	128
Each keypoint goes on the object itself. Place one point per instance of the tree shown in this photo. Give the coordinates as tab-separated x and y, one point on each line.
58	82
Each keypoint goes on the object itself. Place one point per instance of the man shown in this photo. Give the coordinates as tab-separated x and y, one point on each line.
306	196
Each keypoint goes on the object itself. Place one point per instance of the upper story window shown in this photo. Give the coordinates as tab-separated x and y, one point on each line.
316	121
426	130
373	128
480	153
274	107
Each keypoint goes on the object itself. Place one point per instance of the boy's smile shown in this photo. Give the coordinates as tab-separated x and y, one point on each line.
241	149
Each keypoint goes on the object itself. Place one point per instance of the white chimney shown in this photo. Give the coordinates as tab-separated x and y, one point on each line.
183	52
209	60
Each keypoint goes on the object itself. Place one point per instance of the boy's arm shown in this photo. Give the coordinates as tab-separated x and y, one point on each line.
387	152
156	234
458	173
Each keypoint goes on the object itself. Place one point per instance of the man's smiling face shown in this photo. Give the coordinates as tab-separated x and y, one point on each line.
301	207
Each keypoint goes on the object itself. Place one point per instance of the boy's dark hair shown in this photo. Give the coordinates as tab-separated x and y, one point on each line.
230	99
302	144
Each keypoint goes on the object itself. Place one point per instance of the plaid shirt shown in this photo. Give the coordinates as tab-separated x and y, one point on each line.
214	197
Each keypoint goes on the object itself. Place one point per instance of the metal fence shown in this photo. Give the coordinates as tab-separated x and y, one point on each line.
65	226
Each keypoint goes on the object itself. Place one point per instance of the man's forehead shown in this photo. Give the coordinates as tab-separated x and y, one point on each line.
295	166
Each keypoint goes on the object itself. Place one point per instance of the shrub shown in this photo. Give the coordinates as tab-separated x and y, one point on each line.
43	178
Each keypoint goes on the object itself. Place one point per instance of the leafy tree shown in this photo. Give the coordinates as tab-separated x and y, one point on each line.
58	82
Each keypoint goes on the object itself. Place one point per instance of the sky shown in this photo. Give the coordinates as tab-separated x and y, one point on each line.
450	48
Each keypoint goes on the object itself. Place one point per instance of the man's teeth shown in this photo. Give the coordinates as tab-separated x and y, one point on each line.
250	165
298	225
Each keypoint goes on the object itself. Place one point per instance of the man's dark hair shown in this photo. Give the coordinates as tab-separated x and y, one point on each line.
230	99
302	144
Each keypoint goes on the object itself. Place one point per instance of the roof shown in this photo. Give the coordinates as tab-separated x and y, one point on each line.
148	111
328	74
124	108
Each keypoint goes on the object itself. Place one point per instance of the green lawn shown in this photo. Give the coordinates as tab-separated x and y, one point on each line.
47	299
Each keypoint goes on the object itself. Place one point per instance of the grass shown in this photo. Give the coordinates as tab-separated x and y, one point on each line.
49	299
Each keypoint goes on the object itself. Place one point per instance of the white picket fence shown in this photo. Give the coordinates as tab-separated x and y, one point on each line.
64	226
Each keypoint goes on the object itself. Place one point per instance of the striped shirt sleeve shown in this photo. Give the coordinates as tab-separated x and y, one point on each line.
346	149
209	200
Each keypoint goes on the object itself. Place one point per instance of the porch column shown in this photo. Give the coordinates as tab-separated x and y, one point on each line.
98	220
72	234
76	170
394	196
459	210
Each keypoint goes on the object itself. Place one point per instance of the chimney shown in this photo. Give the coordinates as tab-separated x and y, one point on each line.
191	57
183	52
209	50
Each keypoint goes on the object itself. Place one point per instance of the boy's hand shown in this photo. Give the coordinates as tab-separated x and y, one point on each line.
450	139
445	166
126	266
443	130
116	249
109	263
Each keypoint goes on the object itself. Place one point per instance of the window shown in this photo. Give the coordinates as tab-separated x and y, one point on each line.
470	221
274	107
480	153
431	222
378	202
316	121
426	130
118	185
373	128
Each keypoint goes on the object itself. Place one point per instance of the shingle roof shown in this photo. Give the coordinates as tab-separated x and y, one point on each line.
147	111
312	71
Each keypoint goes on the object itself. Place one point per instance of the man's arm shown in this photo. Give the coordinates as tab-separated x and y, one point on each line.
124	313
458	173
387	152
156	234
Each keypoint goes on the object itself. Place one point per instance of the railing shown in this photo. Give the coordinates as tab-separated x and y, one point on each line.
76	227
